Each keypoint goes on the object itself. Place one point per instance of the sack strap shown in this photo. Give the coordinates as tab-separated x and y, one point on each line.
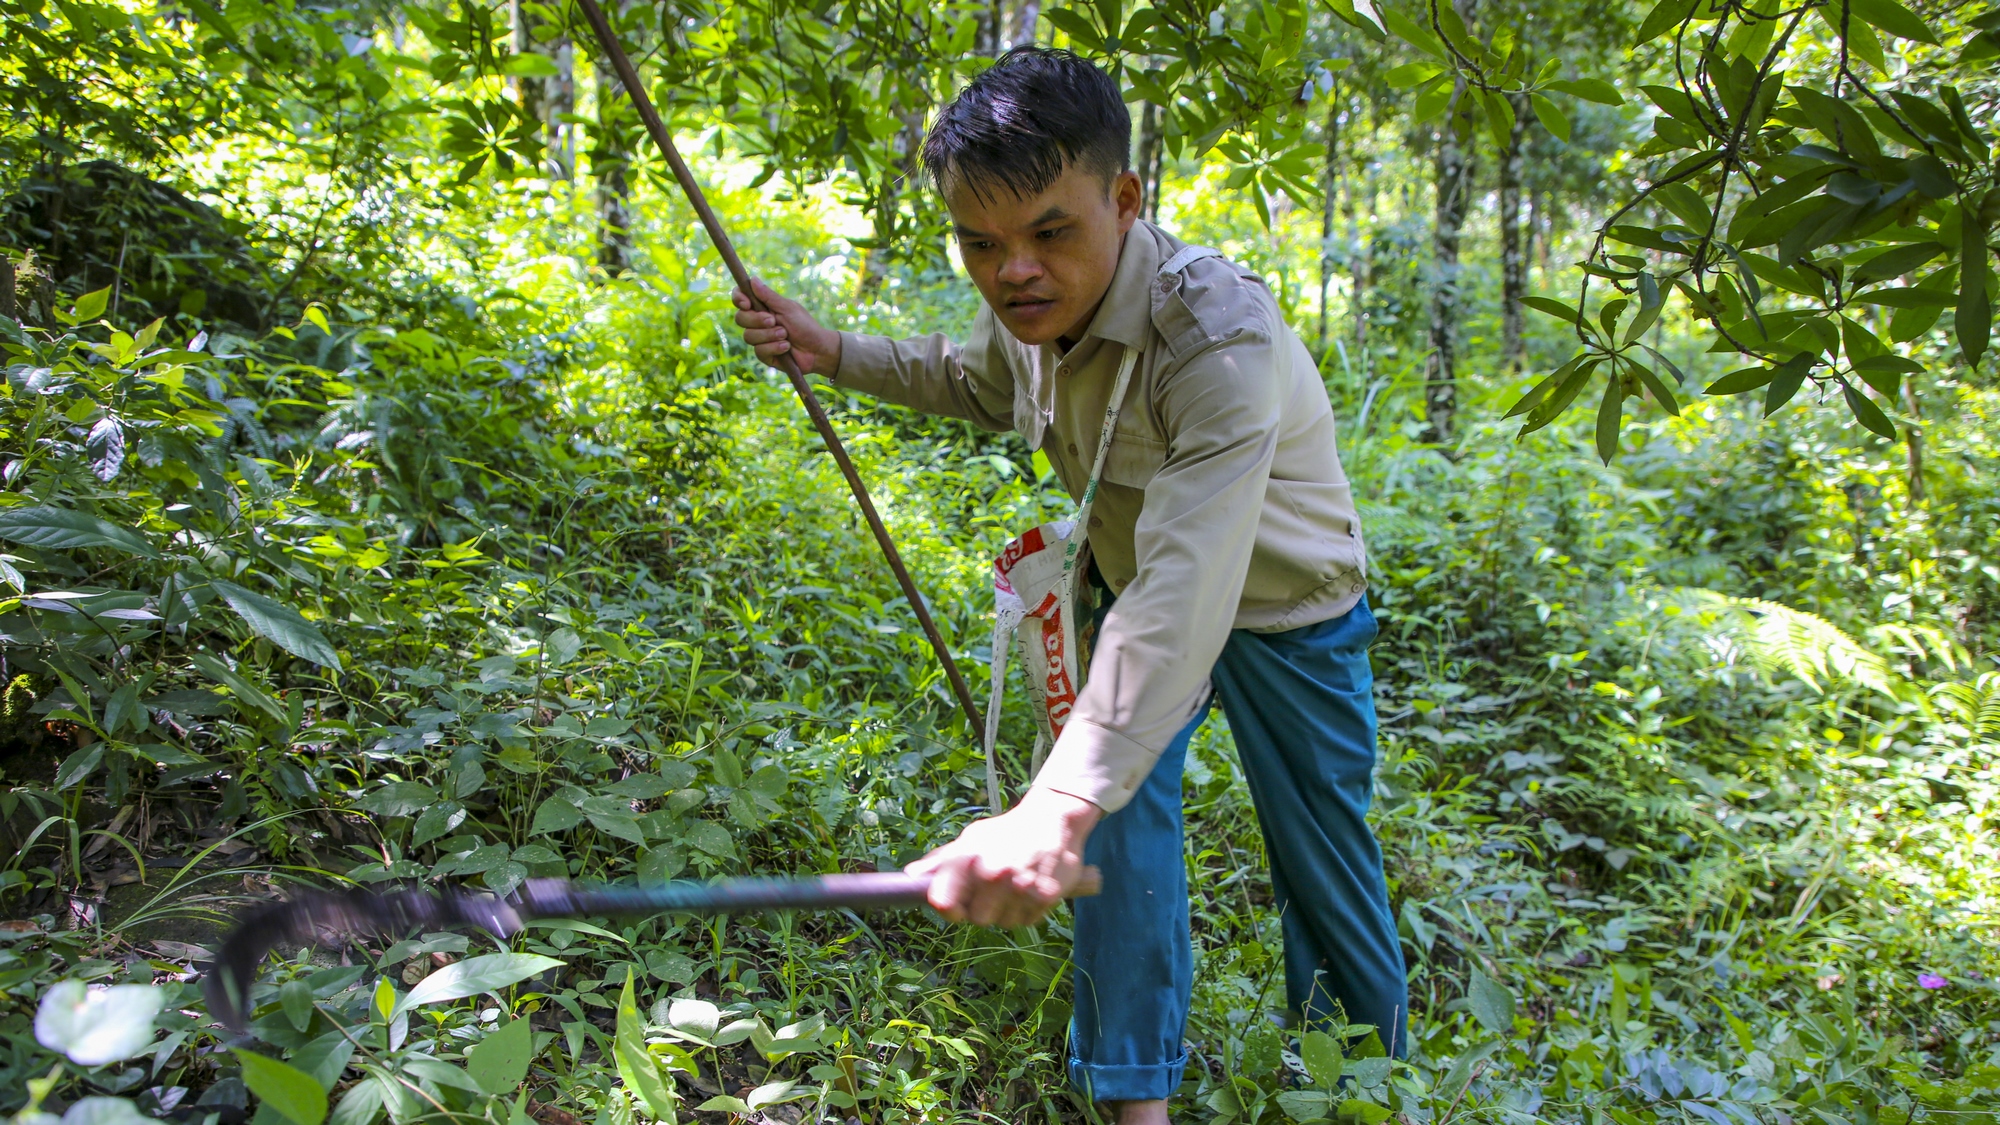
1008	617
1179	262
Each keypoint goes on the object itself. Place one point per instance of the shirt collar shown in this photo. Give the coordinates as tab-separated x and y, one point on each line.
1126	316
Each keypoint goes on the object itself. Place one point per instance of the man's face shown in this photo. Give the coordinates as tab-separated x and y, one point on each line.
1045	262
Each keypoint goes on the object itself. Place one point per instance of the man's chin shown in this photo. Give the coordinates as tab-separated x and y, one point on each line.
1033	324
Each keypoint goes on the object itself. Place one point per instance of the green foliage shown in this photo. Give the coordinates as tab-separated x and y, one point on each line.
454	564
1815	192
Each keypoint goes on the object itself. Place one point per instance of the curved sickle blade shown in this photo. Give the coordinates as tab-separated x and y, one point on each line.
314	917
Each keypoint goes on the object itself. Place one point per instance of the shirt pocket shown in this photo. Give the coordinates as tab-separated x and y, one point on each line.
1134	460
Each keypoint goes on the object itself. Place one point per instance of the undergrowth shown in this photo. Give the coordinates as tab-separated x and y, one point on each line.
1685	784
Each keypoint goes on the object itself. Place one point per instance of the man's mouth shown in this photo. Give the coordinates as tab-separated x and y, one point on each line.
1030	306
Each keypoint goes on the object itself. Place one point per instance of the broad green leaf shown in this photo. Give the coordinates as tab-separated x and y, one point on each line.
1551	115
635	1064
91	305
92	1027
1560	310
295	998
1305	1105
1786	381
98	1111
1589	89
1894	19
1974	320
529	64
279	623
475	975
398	798
1459	1075
437	820
1895	262
1665	16
1491	1002
1411	74
361	1105
326	1057
1419	37
712	838
1354	1111
78	766
1651	301
1913	297
1610	414
1661	392
283	1087
61	529
1560	398
1866	412
1322	1056
555	815
695	1018
499	1062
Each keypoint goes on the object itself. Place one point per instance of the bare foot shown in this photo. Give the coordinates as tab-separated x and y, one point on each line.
1142	1113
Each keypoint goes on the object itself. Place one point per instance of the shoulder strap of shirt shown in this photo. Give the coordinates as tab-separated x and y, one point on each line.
1187	256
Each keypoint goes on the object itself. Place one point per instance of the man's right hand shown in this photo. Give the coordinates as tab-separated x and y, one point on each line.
786	328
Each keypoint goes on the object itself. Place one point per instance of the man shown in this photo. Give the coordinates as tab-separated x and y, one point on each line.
1224	546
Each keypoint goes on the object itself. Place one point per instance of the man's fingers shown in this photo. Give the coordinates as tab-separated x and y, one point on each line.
949	879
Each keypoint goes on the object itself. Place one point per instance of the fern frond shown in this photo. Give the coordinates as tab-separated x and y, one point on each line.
1794	642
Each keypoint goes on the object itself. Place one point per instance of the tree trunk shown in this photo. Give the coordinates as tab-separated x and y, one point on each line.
1328	212
1361	258
1022	31
549	99
611	164
1513	260
1152	153
1913	440
1454	175
6	287
888	203
992	28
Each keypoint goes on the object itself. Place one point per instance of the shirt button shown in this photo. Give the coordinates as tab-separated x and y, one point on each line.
1072	449
1096	523
1166	285
1063	370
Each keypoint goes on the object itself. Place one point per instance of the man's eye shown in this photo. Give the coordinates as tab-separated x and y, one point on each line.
980	246
1048	235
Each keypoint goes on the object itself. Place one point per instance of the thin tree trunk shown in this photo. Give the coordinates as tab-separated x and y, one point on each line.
1022	32
992	28
611	164
1327	216
1361	258
1913	441
888	204
1513	261
1152	152
549	99
1454	176
6	287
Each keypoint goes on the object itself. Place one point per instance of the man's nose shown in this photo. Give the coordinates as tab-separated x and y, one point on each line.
1020	269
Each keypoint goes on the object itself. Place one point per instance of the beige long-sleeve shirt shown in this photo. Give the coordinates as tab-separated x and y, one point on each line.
1222	506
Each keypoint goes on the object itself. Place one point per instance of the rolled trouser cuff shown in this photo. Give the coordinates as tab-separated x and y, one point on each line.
1150	1082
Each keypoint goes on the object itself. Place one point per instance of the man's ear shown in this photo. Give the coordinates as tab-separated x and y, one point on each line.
1129	195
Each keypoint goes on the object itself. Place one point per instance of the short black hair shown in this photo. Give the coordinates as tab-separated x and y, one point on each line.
1025	120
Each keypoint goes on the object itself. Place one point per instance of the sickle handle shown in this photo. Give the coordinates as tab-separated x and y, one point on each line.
885	890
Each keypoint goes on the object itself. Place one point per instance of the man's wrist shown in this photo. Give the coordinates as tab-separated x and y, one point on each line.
1077	815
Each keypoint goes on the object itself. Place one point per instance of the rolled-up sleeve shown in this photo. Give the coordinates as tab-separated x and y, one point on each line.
1149	669
933	374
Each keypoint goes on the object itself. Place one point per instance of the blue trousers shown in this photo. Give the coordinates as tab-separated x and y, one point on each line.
1301	707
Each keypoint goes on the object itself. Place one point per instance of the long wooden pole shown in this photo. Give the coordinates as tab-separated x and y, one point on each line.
608	41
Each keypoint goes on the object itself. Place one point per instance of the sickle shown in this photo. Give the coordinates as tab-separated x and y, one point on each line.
314	916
